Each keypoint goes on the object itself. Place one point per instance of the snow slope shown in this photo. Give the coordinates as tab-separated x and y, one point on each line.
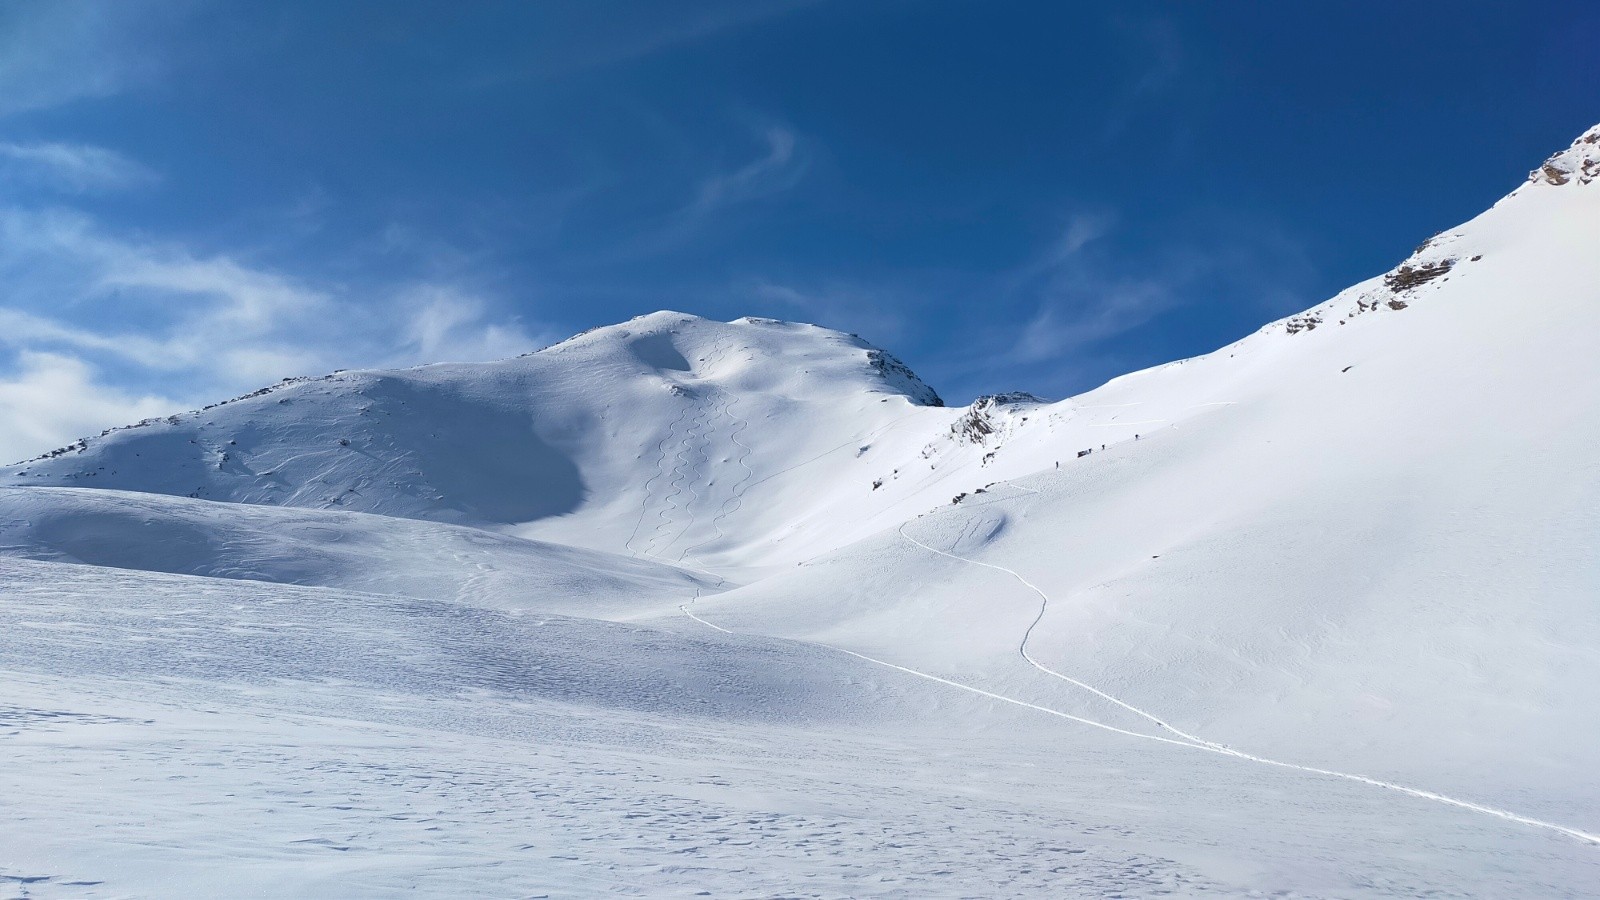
680	606
169	735
1369	544
333	548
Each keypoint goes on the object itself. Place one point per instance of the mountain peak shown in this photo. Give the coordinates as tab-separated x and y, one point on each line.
532	437
750	351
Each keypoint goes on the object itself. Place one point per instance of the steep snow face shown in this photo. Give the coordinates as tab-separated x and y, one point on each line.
1361	539
1512	292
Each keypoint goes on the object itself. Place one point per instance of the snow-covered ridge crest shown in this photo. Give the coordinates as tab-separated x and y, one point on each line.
676	341
1457	251
1579	163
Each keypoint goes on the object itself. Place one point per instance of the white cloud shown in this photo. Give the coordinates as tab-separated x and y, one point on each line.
52	399
447	324
82	300
75	168
241	299
187	307
19	329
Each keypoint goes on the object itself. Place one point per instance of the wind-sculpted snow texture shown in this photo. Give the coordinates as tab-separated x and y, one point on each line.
681	606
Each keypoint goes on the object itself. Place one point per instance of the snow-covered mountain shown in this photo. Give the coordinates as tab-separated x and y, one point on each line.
1314	613
642	438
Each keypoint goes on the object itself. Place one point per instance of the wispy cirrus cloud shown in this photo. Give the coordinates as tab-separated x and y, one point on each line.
1082	297
72	168
1060	327
776	167
22	330
1083	228
683	28
777	170
1063	319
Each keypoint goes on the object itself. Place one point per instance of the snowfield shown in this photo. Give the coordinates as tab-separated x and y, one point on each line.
682	607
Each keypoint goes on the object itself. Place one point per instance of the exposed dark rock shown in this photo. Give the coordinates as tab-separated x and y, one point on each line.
1408	276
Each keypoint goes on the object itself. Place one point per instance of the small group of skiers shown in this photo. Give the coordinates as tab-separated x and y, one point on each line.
1083	453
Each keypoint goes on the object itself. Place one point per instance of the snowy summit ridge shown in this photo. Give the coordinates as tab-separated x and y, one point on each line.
1580	162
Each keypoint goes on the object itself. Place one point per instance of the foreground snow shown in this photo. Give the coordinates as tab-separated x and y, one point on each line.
179	736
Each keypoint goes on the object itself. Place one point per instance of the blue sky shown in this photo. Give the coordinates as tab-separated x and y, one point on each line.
198	198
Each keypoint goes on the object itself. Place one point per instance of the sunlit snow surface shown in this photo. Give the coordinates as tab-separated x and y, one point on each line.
682	607
180	736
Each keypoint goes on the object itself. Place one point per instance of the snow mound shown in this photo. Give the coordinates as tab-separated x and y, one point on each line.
332	549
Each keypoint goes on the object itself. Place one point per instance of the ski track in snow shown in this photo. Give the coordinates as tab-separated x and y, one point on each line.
682	474
681	483
649	486
853	442
1181	738
706	436
685	609
736	498
1185	739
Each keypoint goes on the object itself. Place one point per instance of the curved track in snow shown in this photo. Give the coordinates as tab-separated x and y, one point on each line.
695	497
649	486
1183	738
685	608
682	483
735	500
685	476
1180	738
